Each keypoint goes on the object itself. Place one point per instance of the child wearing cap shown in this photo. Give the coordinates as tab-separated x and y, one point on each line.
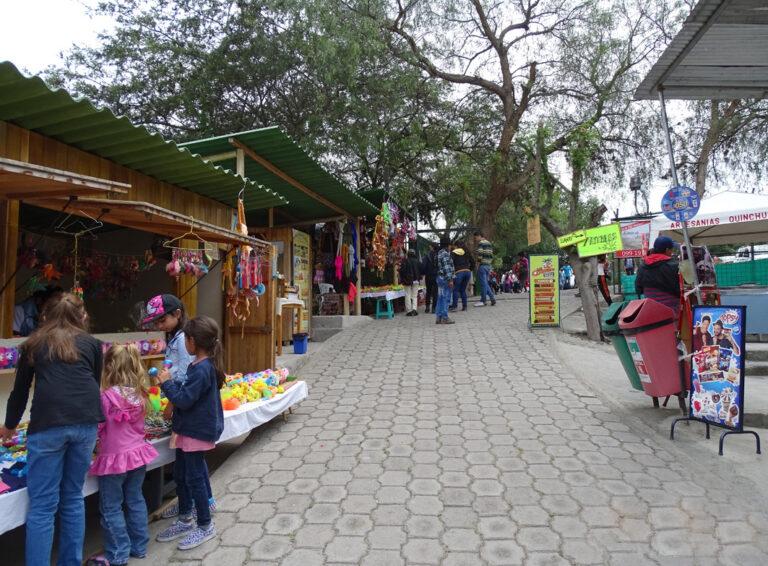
166	313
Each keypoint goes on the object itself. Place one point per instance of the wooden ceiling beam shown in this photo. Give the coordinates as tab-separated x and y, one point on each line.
287	178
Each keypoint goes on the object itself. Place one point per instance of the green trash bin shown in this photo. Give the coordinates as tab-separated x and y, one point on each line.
610	324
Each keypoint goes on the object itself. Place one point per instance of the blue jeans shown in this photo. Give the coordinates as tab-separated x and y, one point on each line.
443	298
123	534
57	461
482	273
460	288
191	476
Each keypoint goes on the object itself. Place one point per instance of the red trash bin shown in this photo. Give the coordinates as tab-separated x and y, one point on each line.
649	328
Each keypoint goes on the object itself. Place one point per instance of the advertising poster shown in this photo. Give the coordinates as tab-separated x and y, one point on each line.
634	237
601	240
301	273
717	365
545	290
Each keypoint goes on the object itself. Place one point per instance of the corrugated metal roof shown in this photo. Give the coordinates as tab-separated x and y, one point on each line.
29	103
274	146
721	52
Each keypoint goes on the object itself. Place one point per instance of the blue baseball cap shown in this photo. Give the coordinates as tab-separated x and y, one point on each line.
663	243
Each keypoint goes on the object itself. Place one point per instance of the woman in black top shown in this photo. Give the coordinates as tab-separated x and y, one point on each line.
65	362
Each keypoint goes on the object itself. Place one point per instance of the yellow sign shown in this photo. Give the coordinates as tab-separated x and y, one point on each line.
601	240
534	230
545	290
572	238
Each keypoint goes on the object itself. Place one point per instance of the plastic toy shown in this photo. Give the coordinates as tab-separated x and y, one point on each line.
167	364
158	403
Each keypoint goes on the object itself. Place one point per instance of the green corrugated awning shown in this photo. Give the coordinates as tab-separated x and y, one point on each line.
29	103
283	164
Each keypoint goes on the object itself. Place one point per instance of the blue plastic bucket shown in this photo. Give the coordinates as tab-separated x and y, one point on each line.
300	342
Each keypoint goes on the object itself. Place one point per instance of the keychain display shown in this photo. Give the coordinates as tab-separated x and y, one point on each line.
187	262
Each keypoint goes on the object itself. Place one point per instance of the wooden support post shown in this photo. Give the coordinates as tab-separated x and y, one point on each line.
9	236
359	271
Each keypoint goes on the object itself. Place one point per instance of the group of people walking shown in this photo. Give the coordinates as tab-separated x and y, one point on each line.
447	271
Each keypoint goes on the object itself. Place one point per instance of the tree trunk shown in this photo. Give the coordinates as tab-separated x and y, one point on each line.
586	281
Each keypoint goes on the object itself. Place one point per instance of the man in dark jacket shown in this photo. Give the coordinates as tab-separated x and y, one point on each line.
410	273
429	271
658	278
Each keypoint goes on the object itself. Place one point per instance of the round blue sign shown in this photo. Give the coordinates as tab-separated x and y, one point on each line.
680	204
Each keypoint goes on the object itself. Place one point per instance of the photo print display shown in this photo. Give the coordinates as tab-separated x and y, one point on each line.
717	365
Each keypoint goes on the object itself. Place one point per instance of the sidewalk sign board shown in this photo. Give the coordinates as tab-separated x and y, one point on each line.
544	299
717	370
717	366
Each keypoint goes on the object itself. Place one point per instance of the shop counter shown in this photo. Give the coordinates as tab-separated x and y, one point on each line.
14	505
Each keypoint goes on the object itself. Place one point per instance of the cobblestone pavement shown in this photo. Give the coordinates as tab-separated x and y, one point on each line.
466	444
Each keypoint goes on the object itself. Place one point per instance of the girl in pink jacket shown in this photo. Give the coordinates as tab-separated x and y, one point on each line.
123	457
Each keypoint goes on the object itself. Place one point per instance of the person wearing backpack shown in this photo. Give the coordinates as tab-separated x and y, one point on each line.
410	273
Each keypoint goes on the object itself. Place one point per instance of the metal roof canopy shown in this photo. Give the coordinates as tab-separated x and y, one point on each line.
18	180
144	216
274	159
29	103
721	52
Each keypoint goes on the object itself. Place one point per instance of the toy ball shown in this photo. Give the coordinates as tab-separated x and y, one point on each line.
152	372
167	364
260	289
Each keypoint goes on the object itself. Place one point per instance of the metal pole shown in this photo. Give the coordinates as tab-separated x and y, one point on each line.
686	238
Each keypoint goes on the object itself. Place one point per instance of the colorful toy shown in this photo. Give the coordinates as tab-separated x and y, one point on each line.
167	364
158	403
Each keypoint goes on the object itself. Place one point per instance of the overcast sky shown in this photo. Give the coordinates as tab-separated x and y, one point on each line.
35	32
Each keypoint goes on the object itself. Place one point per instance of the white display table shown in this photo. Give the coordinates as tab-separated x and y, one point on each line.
14	505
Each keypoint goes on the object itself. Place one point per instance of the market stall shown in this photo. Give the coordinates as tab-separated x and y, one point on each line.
321	206
727	218
126	204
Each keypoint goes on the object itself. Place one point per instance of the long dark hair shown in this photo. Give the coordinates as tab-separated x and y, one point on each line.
63	318
205	332
180	325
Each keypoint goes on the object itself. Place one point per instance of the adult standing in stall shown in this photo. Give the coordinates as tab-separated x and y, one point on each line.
410	273
65	362
429	270
658	278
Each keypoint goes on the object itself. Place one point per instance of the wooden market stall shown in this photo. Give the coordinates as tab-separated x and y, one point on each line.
270	157
68	156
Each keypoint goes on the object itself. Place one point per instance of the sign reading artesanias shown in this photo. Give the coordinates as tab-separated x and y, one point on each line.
545	290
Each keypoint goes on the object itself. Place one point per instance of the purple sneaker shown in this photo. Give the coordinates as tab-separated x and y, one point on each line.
198	537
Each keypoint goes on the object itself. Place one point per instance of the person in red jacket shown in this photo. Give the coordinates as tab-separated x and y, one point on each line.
658	278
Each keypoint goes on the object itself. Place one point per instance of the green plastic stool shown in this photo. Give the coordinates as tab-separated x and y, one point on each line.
386	311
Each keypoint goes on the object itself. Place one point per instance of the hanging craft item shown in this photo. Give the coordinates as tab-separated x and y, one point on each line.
379	244
242	277
187	262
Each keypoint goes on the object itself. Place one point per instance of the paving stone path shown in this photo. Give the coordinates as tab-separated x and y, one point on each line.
465	445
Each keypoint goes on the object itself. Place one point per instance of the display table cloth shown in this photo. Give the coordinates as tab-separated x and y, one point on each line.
389	295
14	505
